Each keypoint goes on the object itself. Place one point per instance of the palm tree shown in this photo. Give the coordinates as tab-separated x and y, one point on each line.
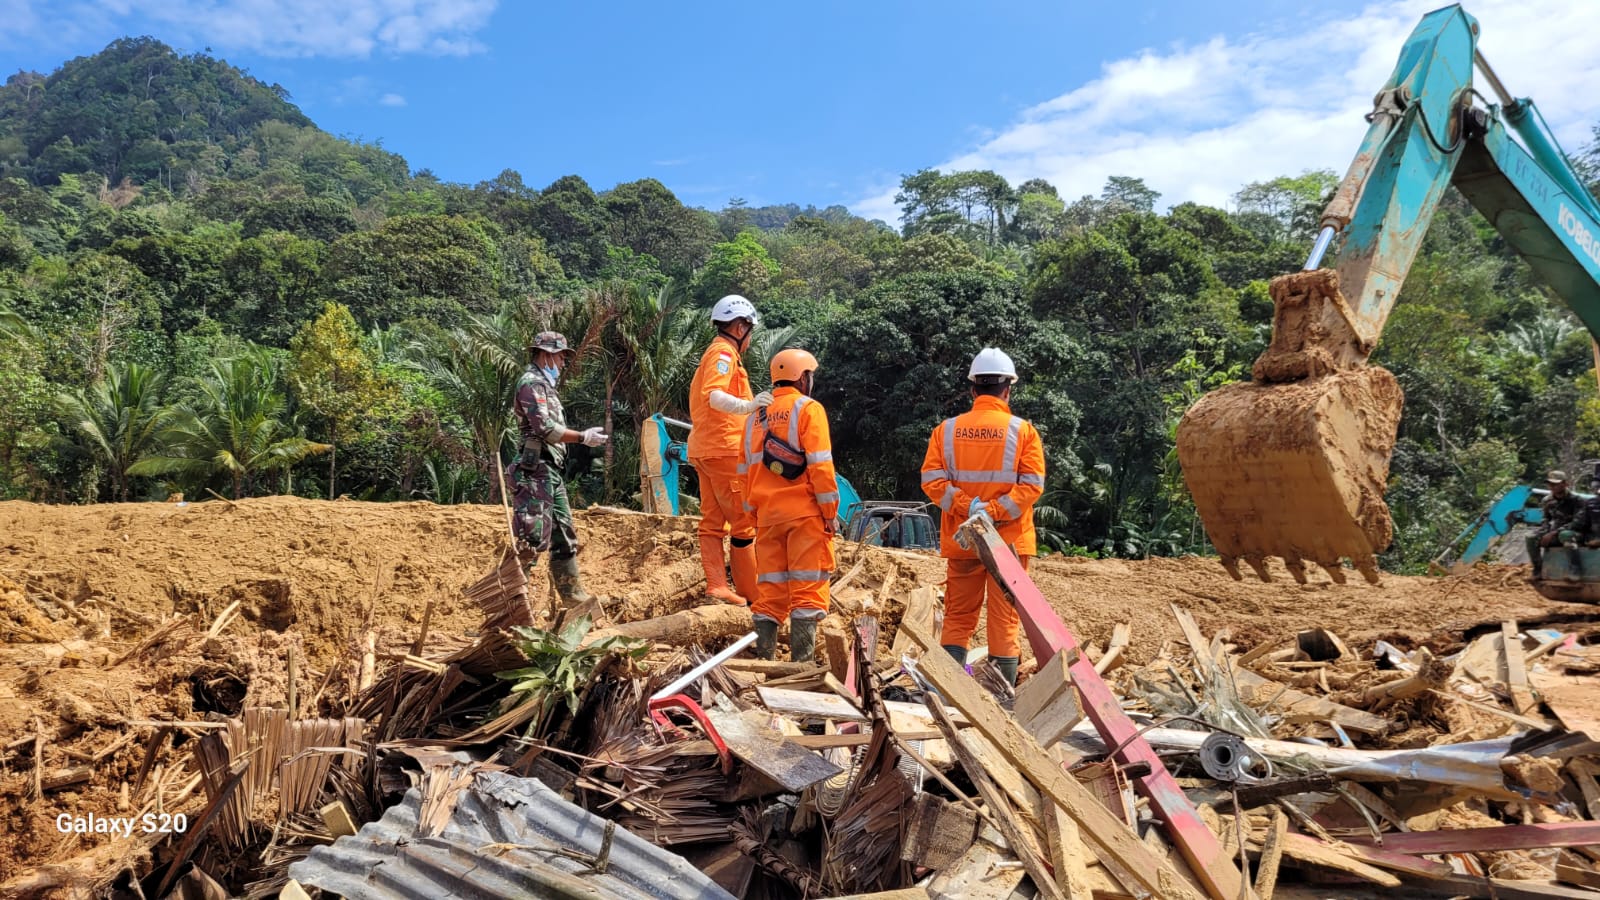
476	368
236	425
119	420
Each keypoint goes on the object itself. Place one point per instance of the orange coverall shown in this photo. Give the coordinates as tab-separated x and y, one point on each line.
793	519
714	453
989	460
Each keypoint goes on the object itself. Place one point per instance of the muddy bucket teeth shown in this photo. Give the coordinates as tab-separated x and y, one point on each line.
1295	470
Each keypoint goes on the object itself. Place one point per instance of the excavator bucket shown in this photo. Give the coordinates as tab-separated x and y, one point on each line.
1295	469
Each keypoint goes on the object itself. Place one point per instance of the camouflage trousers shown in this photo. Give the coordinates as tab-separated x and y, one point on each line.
541	517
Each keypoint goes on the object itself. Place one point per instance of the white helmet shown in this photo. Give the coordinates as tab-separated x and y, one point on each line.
733	307
992	362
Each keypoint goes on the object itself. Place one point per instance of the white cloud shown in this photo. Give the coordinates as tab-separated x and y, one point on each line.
349	28
392	100
1198	121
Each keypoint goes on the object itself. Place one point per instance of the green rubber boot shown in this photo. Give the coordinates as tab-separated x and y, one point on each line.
766	638
1007	666
569	584
802	639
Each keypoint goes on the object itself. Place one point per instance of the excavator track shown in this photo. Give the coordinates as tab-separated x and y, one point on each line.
1295	470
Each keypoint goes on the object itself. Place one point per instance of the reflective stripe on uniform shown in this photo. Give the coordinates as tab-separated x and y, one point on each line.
1008	463
1009	505
1035	480
793	575
794	420
822	457
934	475
804	614
982	476
828	497
948	498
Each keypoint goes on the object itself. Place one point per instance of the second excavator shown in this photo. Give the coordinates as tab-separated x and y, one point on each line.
1294	462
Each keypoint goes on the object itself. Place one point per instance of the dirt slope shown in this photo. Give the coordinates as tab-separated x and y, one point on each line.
311	576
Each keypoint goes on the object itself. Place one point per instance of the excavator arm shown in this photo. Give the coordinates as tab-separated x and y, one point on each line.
1294	463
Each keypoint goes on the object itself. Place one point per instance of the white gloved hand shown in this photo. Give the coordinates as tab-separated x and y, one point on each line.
762	400
594	437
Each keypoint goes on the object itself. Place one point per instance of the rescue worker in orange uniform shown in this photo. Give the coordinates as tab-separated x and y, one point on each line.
984	461
719	402
794	497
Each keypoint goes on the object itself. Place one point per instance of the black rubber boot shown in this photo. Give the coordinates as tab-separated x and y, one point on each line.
564	575
959	653
802	639
1007	666
766	638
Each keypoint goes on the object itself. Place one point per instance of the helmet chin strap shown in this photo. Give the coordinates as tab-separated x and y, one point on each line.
743	343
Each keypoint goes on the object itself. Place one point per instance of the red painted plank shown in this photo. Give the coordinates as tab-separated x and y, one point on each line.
1505	837
1047	636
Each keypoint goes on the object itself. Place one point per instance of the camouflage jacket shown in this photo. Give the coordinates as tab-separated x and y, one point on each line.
1559	512
540	418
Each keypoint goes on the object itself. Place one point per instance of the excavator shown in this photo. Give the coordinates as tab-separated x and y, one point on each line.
1294	463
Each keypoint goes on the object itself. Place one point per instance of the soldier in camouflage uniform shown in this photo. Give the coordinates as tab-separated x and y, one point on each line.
1560	508
542	517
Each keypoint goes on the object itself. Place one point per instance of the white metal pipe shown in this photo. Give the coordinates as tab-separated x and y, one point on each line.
696	673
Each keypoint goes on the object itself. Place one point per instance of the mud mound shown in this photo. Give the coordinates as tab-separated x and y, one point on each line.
290	563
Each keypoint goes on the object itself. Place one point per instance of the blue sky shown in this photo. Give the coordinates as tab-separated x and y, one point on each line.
830	102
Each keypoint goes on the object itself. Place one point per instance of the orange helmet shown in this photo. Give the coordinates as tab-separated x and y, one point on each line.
790	364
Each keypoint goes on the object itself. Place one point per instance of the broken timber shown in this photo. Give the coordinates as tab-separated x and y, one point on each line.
1112	841
752	740
1048	635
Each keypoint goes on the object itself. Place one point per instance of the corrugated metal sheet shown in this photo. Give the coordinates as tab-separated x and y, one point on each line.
500	843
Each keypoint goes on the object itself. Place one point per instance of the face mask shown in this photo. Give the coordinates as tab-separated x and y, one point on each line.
551	372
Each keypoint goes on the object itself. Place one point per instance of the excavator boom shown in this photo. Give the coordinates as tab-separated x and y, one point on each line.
1294	463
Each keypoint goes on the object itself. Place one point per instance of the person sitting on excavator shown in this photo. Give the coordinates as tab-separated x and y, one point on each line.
989	461
793	494
542	515
719	403
1559	509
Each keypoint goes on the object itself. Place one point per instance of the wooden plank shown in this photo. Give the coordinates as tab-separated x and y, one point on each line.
1578	875
772	668
1112	841
751	738
1065	844
1049	635
1575	699
811	704
1272	855
1516	670
1121	635
1304	849
1494	888
1503	837
920	608
1583	773
1037	692
1298	707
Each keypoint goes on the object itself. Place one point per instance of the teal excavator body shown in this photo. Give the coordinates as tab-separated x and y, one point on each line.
1294	463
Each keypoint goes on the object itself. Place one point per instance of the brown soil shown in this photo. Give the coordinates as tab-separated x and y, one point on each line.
313	575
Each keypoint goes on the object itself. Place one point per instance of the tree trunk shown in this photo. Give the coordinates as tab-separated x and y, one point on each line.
333	459
611	388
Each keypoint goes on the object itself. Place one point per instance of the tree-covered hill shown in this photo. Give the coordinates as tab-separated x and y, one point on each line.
200	290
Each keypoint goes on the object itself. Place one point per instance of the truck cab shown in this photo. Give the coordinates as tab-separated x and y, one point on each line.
893	523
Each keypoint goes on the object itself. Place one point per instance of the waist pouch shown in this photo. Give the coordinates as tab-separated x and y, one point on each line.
782	459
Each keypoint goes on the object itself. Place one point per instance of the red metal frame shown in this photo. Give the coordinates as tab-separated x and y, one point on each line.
658	717
1049	635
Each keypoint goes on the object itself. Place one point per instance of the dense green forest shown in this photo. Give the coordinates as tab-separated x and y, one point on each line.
201	291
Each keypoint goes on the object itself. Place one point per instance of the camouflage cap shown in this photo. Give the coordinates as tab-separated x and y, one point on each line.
1556	476
550	341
